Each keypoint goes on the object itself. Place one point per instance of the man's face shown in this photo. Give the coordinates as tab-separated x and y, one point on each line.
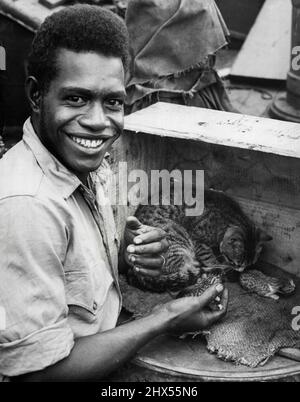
81	113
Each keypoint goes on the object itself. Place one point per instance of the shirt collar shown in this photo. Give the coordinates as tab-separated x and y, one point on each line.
66	181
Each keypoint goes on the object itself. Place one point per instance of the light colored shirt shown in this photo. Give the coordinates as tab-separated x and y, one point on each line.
59	256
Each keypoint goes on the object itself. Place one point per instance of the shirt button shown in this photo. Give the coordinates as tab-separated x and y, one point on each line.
95	305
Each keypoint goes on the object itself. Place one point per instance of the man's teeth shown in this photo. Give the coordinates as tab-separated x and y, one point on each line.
87	143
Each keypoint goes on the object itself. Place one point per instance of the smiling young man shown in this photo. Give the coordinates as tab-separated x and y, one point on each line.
91	83
59	250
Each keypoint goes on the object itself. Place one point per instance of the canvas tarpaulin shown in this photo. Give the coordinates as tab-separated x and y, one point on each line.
172	46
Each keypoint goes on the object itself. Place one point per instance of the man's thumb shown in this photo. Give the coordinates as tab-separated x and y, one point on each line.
210	294
133	223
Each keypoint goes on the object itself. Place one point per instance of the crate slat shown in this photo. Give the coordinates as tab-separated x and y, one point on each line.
217	127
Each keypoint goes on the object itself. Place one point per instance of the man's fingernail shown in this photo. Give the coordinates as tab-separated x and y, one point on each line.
136	269
132	258
138	240
219	287
130	249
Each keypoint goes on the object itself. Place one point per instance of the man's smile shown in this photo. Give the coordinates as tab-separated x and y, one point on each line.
87	143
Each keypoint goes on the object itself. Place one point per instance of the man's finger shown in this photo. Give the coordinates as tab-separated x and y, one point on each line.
197	303
210	294
146	272
147	262
133	223
218	314
156	234
153	248
224	300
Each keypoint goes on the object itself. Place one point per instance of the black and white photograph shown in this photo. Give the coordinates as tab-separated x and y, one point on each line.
149	194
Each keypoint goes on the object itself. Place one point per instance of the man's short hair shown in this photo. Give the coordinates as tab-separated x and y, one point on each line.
80	28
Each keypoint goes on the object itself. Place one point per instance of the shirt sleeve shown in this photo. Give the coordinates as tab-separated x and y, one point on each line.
34	332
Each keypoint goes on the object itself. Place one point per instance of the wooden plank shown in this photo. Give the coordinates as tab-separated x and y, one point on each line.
31	13
28	13
266	51
140	153
283	225
217	127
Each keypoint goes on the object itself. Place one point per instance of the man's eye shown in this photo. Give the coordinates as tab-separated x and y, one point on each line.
115	103
75	100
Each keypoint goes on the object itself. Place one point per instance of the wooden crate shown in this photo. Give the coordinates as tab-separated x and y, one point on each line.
255	160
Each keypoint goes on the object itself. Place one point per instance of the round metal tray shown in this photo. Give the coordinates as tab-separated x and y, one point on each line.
171	359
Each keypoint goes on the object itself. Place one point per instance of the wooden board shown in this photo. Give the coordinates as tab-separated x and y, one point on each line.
139	152
217	127
283	225
29	13
266	51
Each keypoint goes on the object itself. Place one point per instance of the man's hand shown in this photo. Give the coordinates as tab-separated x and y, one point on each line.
145	246
190	314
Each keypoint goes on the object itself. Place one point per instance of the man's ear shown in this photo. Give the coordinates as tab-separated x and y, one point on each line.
33	93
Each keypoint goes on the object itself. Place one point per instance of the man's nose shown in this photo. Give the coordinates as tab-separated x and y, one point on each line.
95	118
